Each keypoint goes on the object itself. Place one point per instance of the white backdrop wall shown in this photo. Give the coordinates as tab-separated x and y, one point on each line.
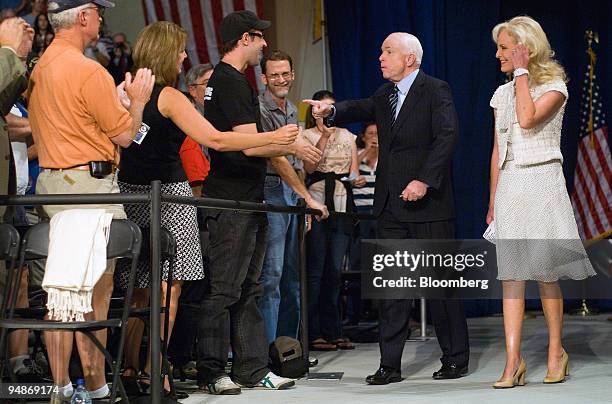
294	35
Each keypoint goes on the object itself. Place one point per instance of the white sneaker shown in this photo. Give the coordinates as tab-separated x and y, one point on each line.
274	382
223	386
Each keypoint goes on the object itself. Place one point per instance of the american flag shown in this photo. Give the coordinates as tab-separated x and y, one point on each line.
201	19
592	194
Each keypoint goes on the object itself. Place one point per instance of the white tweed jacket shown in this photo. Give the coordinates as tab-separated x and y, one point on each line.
530	146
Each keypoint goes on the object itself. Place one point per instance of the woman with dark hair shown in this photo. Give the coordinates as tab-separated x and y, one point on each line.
154	155
330	181
43	34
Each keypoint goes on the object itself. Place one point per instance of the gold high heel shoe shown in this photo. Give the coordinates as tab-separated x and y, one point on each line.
517	380
564	371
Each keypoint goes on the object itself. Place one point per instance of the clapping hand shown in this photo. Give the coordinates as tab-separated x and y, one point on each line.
139	90
122	95
18	35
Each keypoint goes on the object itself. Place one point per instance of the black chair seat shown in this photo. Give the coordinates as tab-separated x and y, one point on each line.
141	312
35	324
9	242
30	312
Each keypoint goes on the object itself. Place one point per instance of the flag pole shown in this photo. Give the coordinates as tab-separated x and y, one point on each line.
591	37
584	310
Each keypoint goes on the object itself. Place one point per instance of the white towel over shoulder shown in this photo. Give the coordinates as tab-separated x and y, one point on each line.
76	261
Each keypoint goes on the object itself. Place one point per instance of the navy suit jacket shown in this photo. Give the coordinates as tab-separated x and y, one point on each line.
418	146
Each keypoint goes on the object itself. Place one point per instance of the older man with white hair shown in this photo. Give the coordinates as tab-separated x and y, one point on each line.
417	129
77	119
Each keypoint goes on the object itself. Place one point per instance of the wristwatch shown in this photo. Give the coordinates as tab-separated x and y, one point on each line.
330	120
520	71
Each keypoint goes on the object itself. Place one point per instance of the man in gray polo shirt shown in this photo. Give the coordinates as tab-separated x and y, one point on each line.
280	302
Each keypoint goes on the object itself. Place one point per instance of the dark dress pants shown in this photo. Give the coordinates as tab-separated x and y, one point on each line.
229	313
394	315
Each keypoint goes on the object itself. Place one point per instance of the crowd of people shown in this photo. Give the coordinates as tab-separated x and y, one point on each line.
235	280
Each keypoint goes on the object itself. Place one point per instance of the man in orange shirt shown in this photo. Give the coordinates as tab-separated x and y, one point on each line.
77	118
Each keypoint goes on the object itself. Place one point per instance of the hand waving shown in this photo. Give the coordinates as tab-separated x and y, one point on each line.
520	56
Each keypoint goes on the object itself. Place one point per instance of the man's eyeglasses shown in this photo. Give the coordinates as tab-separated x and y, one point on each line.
277	76
257	34
100	10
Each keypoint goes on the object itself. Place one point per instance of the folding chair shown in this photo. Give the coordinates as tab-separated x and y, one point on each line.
9	250
167	252
124	242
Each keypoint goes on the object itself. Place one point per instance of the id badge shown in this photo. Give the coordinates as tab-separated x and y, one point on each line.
142	133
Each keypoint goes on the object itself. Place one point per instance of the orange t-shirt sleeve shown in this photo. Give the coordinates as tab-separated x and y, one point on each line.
100	96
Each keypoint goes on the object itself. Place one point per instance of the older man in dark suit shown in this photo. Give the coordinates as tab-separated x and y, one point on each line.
417	129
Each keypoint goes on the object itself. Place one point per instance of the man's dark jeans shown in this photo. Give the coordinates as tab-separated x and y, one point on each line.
229	312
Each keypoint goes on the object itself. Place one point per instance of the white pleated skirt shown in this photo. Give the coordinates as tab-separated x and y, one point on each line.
535	226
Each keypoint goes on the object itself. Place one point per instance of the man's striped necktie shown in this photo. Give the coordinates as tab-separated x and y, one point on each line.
393	103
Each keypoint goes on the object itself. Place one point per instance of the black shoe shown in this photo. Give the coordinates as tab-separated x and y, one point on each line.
450	371
384	375
176	394
30	373
185	372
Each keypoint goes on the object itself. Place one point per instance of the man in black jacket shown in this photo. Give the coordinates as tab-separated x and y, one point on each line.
417	129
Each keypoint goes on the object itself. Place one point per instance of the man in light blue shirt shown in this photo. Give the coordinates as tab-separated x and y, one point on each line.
403	88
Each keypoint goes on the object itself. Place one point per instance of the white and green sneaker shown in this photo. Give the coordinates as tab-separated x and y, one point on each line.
223	386
274	382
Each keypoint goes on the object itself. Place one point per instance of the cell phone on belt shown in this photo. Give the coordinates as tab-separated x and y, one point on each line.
100	169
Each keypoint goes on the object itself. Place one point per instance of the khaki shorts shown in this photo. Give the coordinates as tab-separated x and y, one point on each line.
78	182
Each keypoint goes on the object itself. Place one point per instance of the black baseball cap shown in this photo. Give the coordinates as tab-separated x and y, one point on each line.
68	4
237	23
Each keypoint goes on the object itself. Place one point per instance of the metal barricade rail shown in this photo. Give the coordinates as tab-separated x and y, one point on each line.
155	198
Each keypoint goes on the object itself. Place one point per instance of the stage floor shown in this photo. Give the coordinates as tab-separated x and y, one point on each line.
588	342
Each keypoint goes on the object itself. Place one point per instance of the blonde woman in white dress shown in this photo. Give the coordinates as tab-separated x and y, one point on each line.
529	203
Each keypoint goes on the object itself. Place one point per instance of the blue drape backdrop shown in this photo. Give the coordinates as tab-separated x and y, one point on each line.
458	48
